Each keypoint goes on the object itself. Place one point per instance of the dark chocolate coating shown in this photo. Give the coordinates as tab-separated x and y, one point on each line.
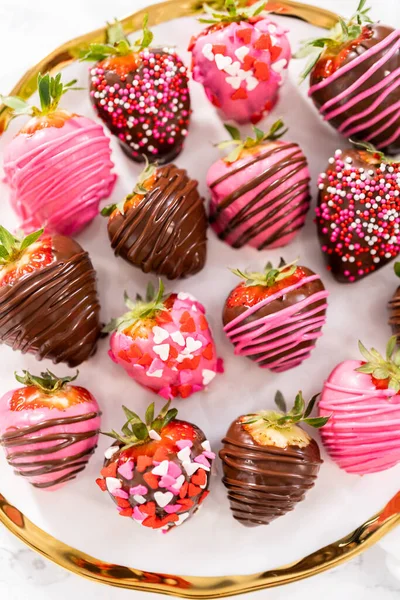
166	233
54	311
265	482
287	299
176	122
377	132
394	314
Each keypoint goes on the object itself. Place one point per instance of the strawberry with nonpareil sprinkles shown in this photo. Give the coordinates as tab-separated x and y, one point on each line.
59	164
165	344
157	471
260	192
241	60
394	307
141	94
358	215
363	397
354	79
275	317
49	429
270	462
48	297
162	226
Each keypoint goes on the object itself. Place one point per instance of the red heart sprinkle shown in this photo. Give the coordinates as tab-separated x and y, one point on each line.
173	352
189	363
186	503
135	351
261	70
219	49
248	62
193	490
126	512
122	502
188	326
183	490
199	478
240	94
145	360
208	352
123	355
163	317
215	101
275	52
151	480
203	323
244	35
263	42
143	462
161	454
110	470
101	483
149	508
185	390
152	522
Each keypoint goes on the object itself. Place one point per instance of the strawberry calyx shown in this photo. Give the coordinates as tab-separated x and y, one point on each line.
12	249
51	90
280	428
384	371
48	383
371	154
270	276
234	12
276	131
342	37
118	44
139	310
137	432
144	184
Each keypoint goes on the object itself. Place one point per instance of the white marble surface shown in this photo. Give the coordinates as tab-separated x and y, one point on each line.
28	31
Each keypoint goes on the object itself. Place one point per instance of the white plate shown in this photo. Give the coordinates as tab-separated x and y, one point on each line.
212	543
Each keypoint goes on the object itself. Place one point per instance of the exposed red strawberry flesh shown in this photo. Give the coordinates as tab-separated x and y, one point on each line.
330	62
31	398
35	257
170	434
121	64
56	118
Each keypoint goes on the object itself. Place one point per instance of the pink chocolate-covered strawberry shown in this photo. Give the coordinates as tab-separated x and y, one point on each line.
158	471
241	60
48	428
58	166
362	435
260	192
165	344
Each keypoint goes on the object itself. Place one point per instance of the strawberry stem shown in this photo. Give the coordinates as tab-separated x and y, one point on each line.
270	275
234	12
12	248
382	368
276	131
47	382
370	148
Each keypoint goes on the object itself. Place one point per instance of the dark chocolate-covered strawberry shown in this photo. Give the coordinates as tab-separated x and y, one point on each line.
270	462
141	94
354	79
358	213
157	471
275	317
394	307
162	226
48	297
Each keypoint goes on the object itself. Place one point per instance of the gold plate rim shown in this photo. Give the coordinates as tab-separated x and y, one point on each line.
173	585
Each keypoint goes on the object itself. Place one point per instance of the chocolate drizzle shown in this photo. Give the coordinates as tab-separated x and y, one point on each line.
292	198
166	232
54	311
265	482
74	464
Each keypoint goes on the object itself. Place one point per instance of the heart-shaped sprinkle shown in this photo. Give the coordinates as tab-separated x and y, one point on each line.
172	508
160	334
233	69
192	345
182	518
162	468
126	512
138	515
184	444
191	467
202	460
244	35
222	61
157	373
261	70
143	462
234	82
279	65
149	508
207	51
110	470
208	376
162	350
199	478
217	49
240	94
194	490
154	435
161	454
178	483
126	469
251	83
113	484
151	480
166	481
138	489
109	453
178	338
174	470
163	498
242	52
206	445
263	42
186	503
139	499
184	454
119	493
101	482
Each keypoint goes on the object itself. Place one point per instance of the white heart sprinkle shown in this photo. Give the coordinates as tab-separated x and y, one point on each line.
181	518
206	446
154	435
207	51
181	357
113	484
274	40
162	350
271	28
201	466
242	52
208	376
191	467
163	498
178	483
234	82
233	69
157	373
160	334
184	454
162	468
251	83
222	61
279	65
178	338
139	499
109	453
192	345
194	308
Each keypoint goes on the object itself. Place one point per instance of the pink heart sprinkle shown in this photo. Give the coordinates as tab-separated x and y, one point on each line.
197	388
174	470
166	392
118	493
202	339
220	365
137	514
140	490
166	481
210	455
156	365
185	376
126	470
184	444
202	460
172	508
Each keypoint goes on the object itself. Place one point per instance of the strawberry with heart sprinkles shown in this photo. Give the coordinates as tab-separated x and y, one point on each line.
358	216
157	471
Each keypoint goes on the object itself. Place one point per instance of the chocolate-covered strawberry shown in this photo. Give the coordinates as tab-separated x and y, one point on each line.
270	462
394	307
141	94
157	471
260	191
358	213
241	60
354	79
161	227
48	297
165	343
275	317
363	399
48	429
